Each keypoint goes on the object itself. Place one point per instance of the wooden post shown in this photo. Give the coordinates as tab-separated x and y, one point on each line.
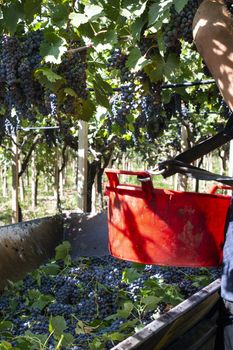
33	181
15	180
4	181
93	197
182	182
21	183
82	166
56	181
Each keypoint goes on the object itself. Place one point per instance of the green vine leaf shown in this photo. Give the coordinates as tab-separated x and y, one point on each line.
31	9
50	269
63	250
137	26
151	302
180	4
4	345
48	73
136	61
125	310
159	13
59	14
77	19
57	325
52	47
11	15
129	275
102	89
93	11
87	109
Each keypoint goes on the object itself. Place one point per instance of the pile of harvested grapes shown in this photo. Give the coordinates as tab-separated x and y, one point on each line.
90	303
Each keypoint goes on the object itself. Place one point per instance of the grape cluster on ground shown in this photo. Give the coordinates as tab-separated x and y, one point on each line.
92	303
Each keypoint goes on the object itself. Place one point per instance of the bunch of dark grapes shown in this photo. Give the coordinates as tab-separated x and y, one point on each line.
11	54
31	60
124	102
132	98
19	92
73	69
148	46
151	113
2	128
22	96
50	137
51	103
117	59
180	25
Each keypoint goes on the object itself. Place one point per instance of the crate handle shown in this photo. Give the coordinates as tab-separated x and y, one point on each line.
220	187
143	176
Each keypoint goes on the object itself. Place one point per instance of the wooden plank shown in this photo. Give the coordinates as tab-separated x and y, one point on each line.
15	180
82	166
166	329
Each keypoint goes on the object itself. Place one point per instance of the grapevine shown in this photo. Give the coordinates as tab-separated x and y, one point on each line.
22	96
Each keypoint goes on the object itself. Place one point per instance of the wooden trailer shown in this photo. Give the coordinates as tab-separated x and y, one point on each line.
191	325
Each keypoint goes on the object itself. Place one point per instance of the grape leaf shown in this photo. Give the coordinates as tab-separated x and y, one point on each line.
115	336
78	18
129	275
36	337
156	69
48	73
87	109
158	13
97	344
51	269
52	47
67	340
59	14
42	301
137	26
4	325
70	92
4	345
112	9
125	310
31	8
180	4
57	325
62	250
12	14
171	65
102	89
93	11
136	60
105	40
151	301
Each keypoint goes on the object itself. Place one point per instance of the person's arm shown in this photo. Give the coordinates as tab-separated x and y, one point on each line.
213	37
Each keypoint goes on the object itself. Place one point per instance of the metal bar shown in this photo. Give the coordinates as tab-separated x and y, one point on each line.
201	149
172	85
38	128
187	84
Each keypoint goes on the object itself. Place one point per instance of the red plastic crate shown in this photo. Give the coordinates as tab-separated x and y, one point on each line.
164	227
